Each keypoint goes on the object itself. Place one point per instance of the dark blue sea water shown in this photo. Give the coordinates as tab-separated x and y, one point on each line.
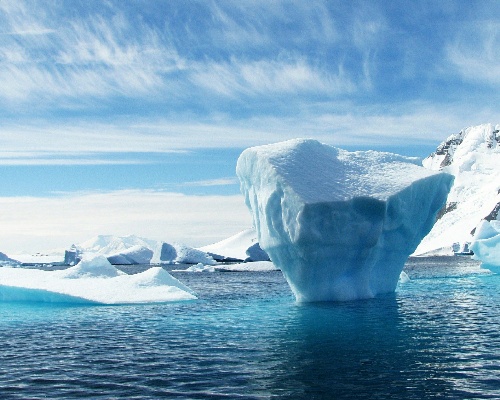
436	338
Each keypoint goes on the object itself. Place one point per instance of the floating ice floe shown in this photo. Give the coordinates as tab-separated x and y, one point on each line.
93	280
197	268
340	225
486	245
255	266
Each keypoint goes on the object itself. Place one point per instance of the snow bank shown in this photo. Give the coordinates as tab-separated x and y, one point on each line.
486	245
340	225
241	247
473	158
93	280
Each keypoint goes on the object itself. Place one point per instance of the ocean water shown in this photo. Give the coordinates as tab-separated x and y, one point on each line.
437	337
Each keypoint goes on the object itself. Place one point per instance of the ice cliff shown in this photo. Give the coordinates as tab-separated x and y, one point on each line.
340	225
472	156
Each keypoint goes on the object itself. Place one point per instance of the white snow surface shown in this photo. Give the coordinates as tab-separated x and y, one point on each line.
242	246
197	268
134	255
473	158
122	246
340	225
136	250
255	266
48	257
190	255
486	245
93	280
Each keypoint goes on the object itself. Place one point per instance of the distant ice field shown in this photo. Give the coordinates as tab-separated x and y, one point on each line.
245	337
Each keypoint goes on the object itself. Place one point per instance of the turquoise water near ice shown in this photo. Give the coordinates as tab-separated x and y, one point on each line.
436	338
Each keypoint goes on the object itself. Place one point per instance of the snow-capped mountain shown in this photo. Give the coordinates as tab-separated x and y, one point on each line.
473	157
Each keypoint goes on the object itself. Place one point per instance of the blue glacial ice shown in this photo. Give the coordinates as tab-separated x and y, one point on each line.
339	224
486	245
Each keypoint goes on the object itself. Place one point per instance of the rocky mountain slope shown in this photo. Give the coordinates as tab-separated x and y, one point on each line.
473	157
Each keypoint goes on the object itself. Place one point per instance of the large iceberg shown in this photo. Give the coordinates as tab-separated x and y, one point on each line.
486	245
339	224
93	280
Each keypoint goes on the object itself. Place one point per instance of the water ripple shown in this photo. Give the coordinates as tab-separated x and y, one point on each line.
437	338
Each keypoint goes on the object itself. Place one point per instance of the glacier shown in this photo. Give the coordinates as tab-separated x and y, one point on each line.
486	245
92	281
340	225
472	156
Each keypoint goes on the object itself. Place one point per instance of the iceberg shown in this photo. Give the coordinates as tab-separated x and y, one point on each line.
6	260
190	255
197	268
93	280
340	225
486	245
134	255
253	266
129	250
241	247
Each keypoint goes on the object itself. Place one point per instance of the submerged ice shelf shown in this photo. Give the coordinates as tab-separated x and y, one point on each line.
93	280
340	225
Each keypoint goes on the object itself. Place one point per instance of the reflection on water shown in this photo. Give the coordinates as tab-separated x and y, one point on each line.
437	337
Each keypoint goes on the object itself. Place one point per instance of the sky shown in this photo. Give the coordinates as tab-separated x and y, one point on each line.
127	117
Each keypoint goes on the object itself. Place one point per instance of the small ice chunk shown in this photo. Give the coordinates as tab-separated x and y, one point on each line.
486	245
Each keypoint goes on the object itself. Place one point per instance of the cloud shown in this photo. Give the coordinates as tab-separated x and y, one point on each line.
91	57
474	53
334	123
42	223
265	77
213	182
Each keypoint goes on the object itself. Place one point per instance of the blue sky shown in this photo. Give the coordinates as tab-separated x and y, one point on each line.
115	97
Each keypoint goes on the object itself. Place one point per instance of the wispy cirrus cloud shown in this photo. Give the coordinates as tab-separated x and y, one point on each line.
474	52
276	77
213	182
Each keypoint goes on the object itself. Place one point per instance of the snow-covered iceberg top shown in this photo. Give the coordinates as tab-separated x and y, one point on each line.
93	280
486	245
339	224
